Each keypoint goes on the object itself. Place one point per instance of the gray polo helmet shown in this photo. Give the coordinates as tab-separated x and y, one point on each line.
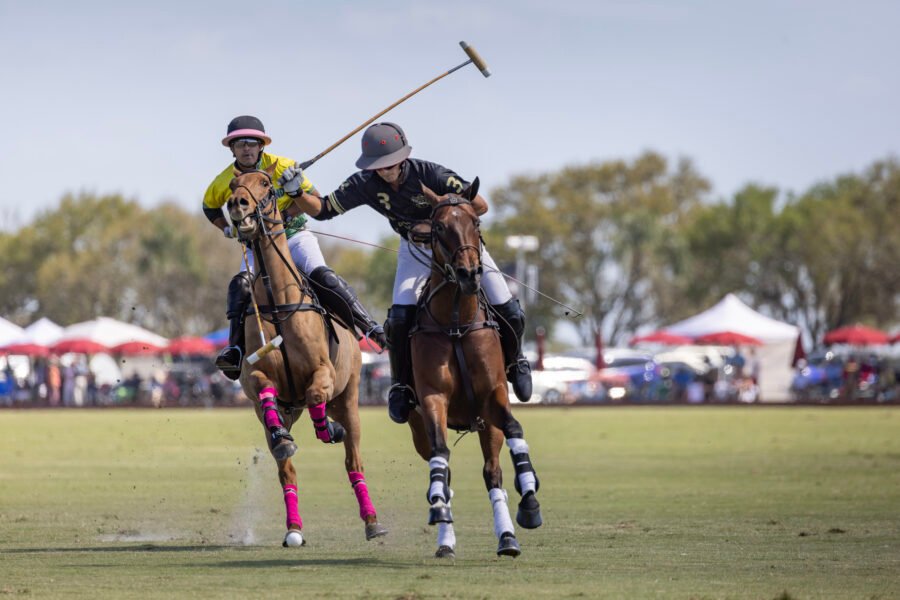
383	145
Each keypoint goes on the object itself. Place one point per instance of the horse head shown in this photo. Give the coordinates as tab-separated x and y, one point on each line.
252	203
455	237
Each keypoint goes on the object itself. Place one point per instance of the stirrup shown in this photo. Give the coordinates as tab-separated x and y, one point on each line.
398	410
225	363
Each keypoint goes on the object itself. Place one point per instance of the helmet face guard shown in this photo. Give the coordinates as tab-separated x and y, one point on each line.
246	126
383	145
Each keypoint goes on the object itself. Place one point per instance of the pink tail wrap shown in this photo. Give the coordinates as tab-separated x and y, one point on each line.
270	410
358	481
291	506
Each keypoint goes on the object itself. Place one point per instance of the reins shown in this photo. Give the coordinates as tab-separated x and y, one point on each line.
456	331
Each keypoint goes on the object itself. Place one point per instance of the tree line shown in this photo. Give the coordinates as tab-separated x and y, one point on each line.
632	244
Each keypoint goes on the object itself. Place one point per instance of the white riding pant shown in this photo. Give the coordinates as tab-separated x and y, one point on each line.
412	275
305	252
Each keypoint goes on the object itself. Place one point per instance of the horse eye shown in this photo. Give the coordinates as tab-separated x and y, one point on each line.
438	228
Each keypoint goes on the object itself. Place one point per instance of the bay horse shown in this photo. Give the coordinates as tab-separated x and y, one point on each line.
300	373
459	377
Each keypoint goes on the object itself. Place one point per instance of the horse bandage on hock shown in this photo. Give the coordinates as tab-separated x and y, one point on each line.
270	410
358	481
327	431
440	480
291	506
526	478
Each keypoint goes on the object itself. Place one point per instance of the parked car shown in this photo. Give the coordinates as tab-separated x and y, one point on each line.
551	384
374	378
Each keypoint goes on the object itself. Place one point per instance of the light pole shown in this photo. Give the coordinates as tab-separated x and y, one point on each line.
521	244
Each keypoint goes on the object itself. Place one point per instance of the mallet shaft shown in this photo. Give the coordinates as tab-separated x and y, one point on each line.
474	57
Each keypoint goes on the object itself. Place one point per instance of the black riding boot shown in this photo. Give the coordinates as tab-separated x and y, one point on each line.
401	396
512	327
341	300
230	359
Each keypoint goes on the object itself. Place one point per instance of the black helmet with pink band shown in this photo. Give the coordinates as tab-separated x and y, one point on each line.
383	145
246	126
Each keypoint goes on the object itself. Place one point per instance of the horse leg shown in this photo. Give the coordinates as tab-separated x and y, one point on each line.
446	537
288	478
491	442
434	409
278	437
318	394
527	482
345	410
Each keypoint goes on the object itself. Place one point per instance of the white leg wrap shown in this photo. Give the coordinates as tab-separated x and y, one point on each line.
527	482
446	536
437	487
502	522
517	445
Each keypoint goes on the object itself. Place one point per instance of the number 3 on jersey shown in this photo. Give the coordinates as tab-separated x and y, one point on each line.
385	200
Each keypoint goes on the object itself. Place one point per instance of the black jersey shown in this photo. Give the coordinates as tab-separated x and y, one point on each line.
403	208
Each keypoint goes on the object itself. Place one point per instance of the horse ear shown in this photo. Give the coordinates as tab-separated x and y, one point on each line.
271	169
470	192
430	195
236	172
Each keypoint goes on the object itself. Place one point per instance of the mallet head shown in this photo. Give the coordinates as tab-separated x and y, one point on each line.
476	58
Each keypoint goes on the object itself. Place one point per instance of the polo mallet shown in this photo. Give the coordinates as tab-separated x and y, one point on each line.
266	346
474	57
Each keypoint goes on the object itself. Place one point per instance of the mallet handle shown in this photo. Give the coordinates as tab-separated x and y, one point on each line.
473	57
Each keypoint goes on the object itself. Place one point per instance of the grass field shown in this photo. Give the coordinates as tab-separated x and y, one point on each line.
638	503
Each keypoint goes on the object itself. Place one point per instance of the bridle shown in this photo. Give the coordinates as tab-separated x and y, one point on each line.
434	238
265	207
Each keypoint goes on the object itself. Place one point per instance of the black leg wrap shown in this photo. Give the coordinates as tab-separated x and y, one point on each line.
522	464
511	319
512	428
440	497
335	431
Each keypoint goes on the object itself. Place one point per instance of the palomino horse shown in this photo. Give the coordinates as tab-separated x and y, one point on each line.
459	375
302	374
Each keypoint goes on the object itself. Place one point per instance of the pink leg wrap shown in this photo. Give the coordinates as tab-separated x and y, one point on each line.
320	421
269	408
291	506
358	481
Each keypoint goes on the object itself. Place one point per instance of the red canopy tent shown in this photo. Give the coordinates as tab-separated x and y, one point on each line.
856	335
728	338
190	345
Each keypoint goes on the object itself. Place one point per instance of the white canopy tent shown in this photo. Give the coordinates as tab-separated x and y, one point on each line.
775	355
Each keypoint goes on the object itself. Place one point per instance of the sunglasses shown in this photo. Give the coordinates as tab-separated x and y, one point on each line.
241	144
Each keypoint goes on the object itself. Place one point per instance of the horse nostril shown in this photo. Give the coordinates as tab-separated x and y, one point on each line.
244	202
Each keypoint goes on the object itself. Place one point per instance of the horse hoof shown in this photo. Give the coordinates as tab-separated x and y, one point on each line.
293	539
375	530
439	514
284	450
337	432
529	513
445	552
508	546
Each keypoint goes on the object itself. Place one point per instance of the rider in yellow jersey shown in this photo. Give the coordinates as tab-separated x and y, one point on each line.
247	138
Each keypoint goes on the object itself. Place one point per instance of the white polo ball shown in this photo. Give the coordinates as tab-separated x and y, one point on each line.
293	539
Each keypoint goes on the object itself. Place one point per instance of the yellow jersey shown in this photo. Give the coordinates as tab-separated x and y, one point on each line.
218	192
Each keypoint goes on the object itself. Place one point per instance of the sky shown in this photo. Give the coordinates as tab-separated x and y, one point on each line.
134	98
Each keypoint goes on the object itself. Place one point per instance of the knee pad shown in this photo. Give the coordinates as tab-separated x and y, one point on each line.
326	277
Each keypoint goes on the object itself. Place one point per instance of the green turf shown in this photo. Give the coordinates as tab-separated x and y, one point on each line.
638	503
